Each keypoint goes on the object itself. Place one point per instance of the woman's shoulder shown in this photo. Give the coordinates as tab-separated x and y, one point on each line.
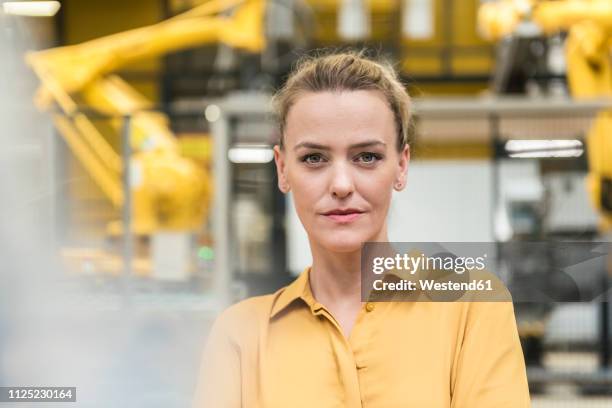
259	309
254	307
246	315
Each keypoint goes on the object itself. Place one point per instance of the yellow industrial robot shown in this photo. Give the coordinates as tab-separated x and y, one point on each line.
588	24
171	192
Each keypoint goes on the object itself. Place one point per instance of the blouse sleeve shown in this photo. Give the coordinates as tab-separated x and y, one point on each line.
219	384
490	369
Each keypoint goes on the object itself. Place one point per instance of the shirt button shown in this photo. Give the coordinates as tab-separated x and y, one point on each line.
369	307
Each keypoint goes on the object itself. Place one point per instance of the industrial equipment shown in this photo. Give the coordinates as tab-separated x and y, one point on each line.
588	24
171	193
585	28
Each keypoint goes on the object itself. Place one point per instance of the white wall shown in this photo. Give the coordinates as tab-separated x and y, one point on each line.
444	201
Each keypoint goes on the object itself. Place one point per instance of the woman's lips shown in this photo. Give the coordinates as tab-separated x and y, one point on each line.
344	218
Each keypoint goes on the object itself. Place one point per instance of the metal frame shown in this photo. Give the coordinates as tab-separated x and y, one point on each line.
221	129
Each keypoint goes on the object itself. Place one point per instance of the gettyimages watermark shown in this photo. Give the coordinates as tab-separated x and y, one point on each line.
538	271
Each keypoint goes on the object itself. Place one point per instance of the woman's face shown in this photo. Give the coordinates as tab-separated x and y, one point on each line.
341	163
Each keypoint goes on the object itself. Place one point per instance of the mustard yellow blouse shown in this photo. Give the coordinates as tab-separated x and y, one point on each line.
285	350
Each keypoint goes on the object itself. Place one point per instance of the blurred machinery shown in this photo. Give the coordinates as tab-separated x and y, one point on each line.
588	24
555	40
435	43
171	193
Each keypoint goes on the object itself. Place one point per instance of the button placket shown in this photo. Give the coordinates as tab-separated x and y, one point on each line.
359	335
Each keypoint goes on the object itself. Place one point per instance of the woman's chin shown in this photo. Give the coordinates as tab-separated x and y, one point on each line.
343	242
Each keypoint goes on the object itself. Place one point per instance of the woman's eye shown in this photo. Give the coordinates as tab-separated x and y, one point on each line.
312	158
369	157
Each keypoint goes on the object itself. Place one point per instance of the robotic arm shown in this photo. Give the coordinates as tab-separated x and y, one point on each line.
588	24
170	192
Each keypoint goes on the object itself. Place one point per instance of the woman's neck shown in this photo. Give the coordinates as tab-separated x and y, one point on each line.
335	277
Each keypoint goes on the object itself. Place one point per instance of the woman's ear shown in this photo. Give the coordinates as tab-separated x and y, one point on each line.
281	169
402	169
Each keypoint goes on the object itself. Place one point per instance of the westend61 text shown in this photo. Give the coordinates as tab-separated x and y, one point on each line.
430	284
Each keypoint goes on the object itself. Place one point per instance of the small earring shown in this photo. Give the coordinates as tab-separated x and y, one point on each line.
398	185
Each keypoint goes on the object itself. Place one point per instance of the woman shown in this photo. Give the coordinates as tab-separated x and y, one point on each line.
343	150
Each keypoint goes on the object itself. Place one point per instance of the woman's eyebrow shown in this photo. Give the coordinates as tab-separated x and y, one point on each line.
367	143
311	145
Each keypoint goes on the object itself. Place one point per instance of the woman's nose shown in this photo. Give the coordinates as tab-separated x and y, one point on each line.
341	184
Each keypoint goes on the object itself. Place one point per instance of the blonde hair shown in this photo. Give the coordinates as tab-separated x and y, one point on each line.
345	71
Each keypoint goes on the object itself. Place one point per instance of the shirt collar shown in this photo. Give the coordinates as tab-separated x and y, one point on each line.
300	289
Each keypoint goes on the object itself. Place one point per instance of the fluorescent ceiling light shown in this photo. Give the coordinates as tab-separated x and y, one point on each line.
522	145
544	148
250	154
554	153
31	8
